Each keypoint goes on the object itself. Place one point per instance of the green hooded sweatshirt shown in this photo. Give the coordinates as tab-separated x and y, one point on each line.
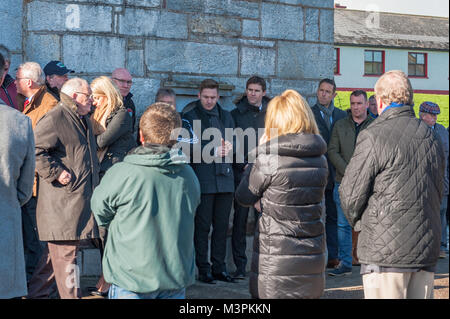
148	203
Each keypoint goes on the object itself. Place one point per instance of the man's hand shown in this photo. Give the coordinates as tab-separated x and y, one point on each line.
224	149
258	206
64	178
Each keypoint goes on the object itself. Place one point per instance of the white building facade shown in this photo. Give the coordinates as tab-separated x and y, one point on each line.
362	54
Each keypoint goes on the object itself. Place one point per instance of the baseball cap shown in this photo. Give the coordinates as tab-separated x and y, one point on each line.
56	67
429	107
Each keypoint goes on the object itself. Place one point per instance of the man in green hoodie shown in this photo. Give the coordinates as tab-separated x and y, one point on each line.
148	203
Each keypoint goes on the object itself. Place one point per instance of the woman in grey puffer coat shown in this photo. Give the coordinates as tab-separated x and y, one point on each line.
287	184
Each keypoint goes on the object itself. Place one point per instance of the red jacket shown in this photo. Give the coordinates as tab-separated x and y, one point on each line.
8	93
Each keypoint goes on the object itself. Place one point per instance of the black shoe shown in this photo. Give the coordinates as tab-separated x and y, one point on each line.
99	293
239	274
206	278
223	276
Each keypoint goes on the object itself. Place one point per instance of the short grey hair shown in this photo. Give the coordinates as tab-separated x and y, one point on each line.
5	52
73	85
162	92
32	71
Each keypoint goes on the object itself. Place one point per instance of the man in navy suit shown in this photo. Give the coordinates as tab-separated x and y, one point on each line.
326	115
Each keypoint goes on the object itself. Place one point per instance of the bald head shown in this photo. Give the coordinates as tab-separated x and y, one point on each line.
123	80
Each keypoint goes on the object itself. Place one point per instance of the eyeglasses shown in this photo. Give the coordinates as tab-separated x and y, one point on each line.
18	79
90	97
129	83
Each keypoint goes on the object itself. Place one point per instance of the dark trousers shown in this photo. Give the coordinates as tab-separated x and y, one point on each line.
214	210
239	236
331	225
31	245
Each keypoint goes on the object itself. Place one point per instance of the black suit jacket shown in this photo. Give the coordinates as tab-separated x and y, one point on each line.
326	134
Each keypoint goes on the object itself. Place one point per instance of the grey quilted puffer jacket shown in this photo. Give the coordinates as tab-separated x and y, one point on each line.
393	186
289	246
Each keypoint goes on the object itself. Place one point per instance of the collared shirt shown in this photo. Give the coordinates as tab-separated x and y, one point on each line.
28	100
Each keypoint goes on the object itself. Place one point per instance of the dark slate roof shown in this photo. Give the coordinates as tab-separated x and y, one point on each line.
395	30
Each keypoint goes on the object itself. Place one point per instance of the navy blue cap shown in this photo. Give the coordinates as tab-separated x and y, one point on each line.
56	67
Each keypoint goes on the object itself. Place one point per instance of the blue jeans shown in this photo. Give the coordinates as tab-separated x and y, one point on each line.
331	225
344	232
115	292
444	223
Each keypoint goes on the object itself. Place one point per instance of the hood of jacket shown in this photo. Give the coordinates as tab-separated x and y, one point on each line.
165	159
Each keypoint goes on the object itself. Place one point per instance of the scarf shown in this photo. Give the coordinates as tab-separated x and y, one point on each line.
327	113
392	105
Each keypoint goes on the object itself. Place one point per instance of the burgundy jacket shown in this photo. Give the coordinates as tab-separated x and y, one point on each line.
8	93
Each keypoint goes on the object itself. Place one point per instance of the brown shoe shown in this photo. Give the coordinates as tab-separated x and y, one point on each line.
333	263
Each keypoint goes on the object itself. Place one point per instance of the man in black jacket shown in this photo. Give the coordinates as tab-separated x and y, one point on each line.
122	78
393	186
56	74
249	113
326	114
215	174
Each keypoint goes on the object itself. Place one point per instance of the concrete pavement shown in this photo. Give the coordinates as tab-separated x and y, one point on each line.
345	287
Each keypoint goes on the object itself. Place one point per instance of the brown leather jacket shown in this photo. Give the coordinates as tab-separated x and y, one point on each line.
41	103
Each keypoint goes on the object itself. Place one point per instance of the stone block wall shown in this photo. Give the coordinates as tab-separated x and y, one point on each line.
178	43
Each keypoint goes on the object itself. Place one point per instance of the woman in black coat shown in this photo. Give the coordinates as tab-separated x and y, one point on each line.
113	128
112	124
287	184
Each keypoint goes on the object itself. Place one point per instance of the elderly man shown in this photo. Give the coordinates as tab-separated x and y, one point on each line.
16	185
393	187
66	161
30	83
56	74
122	78
8	90
428	113
340	151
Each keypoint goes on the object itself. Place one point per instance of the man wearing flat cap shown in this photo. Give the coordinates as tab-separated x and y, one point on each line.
428	113
56	74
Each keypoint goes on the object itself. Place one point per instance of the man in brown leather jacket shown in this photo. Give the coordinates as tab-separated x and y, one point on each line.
30	83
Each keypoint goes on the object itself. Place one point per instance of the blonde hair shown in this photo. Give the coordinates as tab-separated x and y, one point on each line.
289	113
103	85
394	86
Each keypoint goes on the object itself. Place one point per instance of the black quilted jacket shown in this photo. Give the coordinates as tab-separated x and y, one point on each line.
393	186
288	258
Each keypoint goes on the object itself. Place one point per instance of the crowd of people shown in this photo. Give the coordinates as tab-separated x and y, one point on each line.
329	188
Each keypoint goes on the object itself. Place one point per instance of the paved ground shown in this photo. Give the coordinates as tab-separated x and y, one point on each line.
346	287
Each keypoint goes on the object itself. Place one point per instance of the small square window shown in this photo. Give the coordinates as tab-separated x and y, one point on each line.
417	64
373	62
